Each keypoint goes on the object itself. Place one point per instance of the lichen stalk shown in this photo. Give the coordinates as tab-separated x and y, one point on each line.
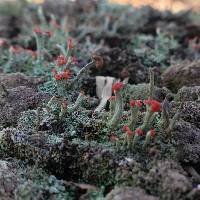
78	102
118	110
134	117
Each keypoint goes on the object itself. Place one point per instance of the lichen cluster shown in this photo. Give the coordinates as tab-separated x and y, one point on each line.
92	104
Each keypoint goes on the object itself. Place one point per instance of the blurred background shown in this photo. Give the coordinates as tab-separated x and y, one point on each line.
173	5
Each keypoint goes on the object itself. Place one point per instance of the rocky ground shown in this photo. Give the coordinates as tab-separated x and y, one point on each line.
63	133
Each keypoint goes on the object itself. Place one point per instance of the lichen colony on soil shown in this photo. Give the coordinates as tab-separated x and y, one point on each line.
98	101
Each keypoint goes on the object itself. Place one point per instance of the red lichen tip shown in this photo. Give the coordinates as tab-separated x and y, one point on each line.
138	103
147	102
155	105
132	103
129	133
139	132
66	74
117	86
61	60
125	128
152	132
58	77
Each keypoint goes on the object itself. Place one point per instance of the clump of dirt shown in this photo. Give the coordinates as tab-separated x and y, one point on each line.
188	94
191	113
169	180
17	100
183	73
187	137
13	80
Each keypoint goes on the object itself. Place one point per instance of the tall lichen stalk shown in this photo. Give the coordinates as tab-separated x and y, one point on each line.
118	111
150	114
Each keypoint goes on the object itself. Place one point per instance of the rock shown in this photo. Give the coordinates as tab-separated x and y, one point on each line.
190	112
185	73
186	133
175	185
18	100
129	193
19	79
188	94
168	180
187	140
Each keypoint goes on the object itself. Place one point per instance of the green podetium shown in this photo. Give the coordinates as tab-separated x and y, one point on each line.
118	111
152	106
149	136
134	114
78	102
